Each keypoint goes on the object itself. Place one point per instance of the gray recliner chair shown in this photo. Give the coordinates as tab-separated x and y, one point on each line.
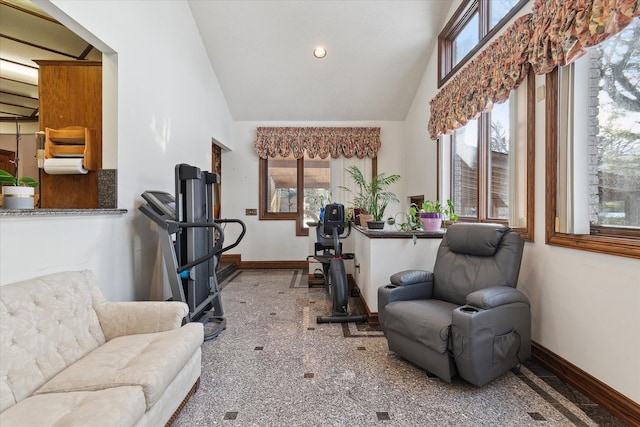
466	316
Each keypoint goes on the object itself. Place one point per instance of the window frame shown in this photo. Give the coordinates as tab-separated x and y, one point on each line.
606	240
298	217
460	18
484	181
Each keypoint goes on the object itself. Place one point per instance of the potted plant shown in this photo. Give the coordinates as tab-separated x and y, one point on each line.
17	193
409	221
372	197
433	212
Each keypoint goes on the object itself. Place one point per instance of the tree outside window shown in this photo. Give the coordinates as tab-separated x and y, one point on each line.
614	131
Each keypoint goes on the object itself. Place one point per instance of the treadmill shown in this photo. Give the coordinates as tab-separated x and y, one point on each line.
191	240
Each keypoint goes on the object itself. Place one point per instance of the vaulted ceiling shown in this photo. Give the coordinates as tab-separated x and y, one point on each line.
377	52
261	52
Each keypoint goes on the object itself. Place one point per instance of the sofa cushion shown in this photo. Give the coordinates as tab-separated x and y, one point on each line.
425	321
149	360
118	406
46	324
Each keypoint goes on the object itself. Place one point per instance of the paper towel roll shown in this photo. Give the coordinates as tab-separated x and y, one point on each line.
64	166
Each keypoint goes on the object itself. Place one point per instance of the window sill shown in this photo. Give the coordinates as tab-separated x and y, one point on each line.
59	212
619	246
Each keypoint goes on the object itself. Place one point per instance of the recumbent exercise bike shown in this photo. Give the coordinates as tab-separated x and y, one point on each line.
333	228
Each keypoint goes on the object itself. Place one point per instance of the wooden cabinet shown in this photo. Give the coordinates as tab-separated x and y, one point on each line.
70	95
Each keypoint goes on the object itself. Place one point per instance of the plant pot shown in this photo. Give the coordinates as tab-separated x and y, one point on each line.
15	197
356	215
364	218
375	225
431	221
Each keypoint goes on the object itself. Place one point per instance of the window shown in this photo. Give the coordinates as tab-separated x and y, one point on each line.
317	188
491	163
593	149
282	186
471	26
286	184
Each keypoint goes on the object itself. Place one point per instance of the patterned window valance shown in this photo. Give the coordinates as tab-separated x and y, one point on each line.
481	83
563	30
318	142
557	32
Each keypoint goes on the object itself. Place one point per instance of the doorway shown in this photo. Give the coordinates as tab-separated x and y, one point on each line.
216	167
7	161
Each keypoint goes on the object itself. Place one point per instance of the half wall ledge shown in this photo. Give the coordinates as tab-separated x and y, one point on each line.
59	212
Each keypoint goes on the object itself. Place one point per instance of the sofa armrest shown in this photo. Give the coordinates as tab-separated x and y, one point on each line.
496	296
129	318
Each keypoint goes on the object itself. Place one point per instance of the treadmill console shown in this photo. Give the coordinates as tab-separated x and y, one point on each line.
161	202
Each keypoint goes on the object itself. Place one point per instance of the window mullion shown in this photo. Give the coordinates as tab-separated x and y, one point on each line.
484	152
484	18
300	228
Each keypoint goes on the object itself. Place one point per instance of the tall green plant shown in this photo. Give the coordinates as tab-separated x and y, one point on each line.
373	197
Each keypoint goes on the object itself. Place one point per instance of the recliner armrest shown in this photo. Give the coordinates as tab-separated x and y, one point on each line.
496	296
411	277
405	286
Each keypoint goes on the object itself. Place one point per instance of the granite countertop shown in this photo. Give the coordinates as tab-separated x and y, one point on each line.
395	234
58	212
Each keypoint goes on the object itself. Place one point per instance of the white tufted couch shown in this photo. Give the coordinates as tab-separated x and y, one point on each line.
68	357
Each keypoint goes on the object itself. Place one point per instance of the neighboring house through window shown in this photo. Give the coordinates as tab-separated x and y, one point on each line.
491	163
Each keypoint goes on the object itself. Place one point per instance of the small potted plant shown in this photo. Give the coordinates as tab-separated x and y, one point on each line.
373	197
409	221
433	212
17	193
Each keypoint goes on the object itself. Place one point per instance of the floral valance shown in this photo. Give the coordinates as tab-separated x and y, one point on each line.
318	142
487	79
563	30
557	32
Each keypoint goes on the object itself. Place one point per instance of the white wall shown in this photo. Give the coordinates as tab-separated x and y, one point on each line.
276	240
169	105
584	305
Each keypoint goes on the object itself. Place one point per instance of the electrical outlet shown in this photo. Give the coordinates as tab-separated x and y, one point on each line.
251	212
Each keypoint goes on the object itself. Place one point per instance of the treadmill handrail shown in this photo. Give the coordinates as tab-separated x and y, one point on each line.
216	247
237	242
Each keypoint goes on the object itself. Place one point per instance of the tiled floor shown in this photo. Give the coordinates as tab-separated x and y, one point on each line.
275	366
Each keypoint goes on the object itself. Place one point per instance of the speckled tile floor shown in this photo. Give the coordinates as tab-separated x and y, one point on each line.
274	366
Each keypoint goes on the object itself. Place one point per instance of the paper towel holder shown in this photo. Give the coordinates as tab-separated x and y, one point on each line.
73	141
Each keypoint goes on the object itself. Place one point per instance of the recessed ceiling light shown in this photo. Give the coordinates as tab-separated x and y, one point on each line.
319	52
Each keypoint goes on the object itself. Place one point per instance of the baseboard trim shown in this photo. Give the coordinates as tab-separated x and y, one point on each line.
231	259
613	401
372	317
275	265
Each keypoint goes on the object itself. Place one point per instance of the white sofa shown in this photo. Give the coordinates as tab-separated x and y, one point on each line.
68	357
